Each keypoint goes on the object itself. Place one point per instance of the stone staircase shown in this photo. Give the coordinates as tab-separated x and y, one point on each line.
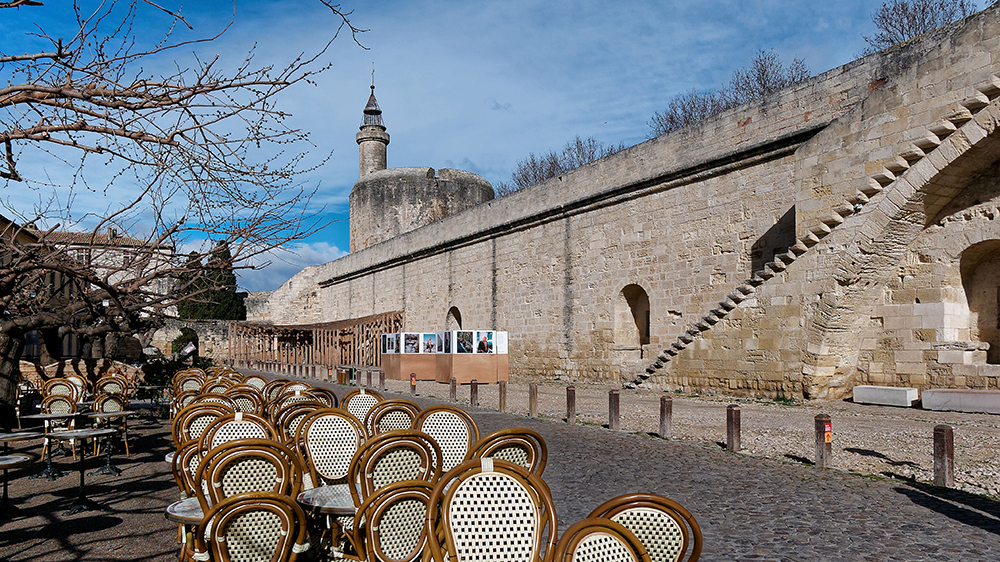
918	149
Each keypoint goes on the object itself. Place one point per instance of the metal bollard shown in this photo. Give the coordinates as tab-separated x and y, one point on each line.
502	398
533	400
824	441
733	427
453	390
570	404
613	422
944	456
666	416
413	384
474	393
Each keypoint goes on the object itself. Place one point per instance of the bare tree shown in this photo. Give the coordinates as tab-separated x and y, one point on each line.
536	169
900	20
204	152
765	75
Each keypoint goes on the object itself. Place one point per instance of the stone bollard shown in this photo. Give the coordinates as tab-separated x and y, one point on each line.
733	427
413	384
533	400
369	385
570	404
944	456
824	441
329	374
502	396
613	421
474	393
666	416
453	390
381	381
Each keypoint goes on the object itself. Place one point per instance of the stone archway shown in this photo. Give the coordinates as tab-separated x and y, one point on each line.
454	319
631	330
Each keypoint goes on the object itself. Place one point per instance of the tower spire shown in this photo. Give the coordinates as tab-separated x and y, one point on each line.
372	138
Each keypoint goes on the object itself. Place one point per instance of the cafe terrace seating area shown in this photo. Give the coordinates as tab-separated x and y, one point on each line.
282	470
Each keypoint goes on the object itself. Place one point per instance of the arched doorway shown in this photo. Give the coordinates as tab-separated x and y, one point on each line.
454	319
632	318
980	265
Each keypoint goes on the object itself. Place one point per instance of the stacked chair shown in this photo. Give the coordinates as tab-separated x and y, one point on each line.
425	485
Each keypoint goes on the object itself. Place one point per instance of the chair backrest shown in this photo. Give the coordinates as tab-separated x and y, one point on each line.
255	381
61	387
284	399
395	517
217	398
288	420
327	441
273	388
216	385
247	399
58	404
292	386
389	415
518	445
191	421
185	381
597	539
663	526
491	509
325	395
247	465
252	527
108	403
359	401
181	400
111	384
81	383
238	425
453	429
184	466
384	459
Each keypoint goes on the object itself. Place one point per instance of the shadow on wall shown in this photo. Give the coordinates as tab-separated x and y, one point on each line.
776	240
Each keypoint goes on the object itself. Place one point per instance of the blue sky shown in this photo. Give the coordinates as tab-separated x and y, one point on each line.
477	85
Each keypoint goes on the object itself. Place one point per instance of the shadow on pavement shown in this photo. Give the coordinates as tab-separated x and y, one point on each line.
966	508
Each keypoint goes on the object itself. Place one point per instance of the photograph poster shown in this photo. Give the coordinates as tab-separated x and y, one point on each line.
440	342
447	343
484	342
429	343
411	343
502	343
464	341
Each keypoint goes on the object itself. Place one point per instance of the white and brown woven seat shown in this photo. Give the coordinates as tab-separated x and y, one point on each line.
491	509
359	401
404	454
247	399
288	419
231	427
396	528
599	540
215	385
109	404
389	415
452	428
59	404
186	381
327	441
272	389
284	399
292	386
255	381
217	398
62	387
191	421
184	466
252	527
325	395
518	445
663	526
247	465
111	384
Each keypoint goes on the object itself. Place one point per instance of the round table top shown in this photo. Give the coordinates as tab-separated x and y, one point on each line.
331	500
110	415
82	433
16	459
19	436
64	416
185	511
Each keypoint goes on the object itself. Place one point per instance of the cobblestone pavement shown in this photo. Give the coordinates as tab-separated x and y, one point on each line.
749	508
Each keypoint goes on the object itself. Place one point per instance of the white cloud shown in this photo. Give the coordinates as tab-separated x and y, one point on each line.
286	263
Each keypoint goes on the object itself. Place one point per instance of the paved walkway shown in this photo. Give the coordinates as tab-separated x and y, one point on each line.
749	508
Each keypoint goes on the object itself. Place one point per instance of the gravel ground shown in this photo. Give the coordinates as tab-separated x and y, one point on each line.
873	440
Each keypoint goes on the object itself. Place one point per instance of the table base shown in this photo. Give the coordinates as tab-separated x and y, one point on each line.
83	503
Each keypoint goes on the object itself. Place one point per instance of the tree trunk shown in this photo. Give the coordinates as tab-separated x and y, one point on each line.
11	346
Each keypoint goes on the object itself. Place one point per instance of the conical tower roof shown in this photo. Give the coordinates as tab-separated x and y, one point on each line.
373	114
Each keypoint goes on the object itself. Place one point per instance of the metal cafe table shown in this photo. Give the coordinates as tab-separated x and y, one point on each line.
82	502
50	472
99	416
8	461
329	500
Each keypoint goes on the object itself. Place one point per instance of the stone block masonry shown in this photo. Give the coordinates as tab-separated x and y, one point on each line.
840	232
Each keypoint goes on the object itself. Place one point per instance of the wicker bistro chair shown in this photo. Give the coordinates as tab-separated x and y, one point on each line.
62	387
247	465
599	540
292	386
664	527
272	389
59	404
184	467
185	381
359	401
391	457
216	397
82	385
326	443
191	421
255	381
110	403
325	395
247	401
219	386
453	429
252	527
396	516
181	400
284	399
231	427
520	446
288	420
389	415
491	509
111	384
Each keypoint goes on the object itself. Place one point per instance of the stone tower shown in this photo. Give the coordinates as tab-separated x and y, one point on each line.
372	139
388	202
